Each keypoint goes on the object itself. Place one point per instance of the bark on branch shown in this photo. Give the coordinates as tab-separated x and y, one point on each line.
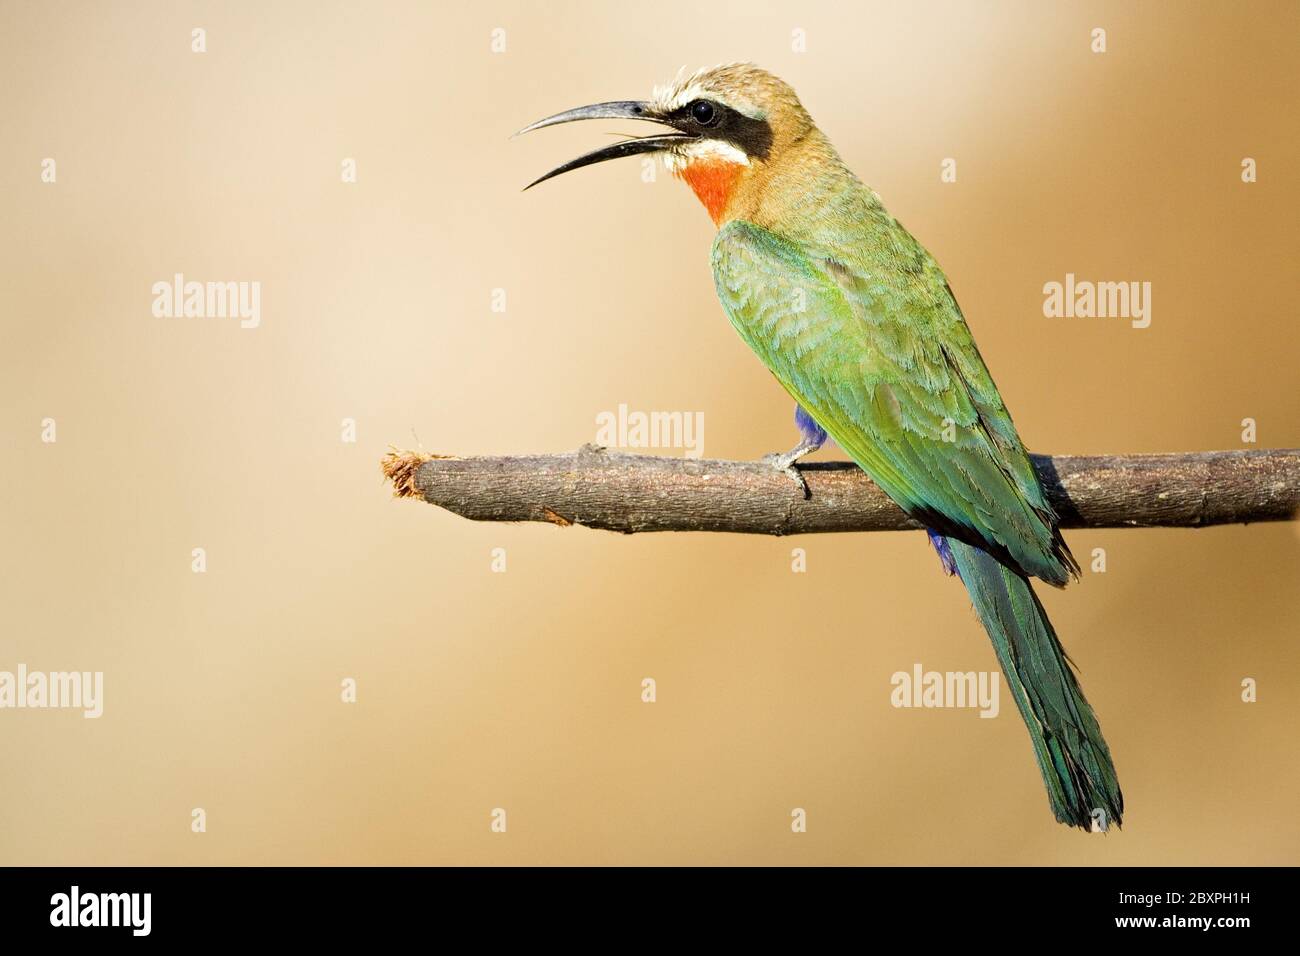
630	493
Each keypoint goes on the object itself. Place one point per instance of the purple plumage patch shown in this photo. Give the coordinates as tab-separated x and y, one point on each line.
945	553
810	431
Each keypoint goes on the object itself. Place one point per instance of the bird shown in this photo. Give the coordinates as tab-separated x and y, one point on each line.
859	324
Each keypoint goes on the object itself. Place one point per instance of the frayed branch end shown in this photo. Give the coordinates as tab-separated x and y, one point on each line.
401	467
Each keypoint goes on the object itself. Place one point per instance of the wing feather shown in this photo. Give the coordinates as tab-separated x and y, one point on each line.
883	360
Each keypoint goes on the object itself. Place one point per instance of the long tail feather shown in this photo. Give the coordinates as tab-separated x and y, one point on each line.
1072	755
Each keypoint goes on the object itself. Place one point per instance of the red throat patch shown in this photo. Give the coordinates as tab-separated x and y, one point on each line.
712	180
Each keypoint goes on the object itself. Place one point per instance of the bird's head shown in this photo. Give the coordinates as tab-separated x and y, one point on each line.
726	125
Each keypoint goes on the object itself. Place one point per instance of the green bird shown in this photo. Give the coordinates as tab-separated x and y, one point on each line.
859	324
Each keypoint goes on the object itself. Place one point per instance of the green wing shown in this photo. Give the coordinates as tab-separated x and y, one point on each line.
868	338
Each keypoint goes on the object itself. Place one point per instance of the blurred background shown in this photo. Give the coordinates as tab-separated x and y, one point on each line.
522	690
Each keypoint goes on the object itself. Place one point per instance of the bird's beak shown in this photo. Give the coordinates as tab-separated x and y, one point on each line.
624	109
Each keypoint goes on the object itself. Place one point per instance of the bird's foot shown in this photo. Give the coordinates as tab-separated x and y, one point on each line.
785	462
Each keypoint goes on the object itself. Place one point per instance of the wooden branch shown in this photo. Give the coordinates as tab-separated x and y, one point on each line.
629	493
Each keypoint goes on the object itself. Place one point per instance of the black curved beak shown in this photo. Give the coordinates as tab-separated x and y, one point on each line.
621	109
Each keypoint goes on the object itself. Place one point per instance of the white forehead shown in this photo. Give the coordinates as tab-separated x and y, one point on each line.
687	88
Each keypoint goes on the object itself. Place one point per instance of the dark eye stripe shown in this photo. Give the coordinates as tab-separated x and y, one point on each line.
752	136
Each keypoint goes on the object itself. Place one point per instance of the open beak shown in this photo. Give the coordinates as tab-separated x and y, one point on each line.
624	109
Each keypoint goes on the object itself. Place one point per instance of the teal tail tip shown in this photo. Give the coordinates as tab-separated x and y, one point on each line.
1072	755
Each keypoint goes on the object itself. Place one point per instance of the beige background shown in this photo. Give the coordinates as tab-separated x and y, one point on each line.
521	690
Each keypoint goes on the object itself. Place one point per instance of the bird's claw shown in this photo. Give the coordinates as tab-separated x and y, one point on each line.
785	463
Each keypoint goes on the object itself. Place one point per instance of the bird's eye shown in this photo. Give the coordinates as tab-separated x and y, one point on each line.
702	111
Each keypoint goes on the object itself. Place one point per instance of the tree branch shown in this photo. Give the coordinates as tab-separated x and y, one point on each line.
629	493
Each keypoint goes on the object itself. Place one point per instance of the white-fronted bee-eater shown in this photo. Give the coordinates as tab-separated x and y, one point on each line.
858	322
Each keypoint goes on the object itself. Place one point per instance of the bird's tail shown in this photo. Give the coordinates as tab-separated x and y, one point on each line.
1072	756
